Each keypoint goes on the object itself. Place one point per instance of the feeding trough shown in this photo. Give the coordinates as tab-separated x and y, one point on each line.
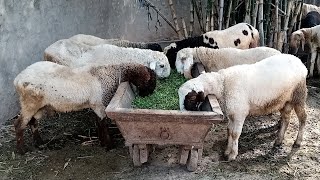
142	128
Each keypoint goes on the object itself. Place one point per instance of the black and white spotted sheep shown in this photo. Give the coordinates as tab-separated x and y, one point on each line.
241	36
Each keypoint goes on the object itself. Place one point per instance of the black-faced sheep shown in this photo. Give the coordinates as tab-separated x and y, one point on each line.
46	85
312	37
241	36
76	54
275	83
215	59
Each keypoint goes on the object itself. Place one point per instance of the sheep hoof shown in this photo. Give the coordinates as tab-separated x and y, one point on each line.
22	150
109	146
296	145
277	144
231	157
38	142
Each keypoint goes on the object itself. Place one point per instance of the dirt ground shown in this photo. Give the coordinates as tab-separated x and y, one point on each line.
72	151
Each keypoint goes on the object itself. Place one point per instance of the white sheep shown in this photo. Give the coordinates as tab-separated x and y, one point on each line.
241	36
275	83
76	54
65	51
49	86
312	37
110	54
93	41
215	59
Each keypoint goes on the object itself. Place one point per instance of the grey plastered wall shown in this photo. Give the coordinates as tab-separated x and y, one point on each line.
27	27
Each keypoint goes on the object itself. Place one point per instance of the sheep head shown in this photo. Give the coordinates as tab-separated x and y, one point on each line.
144	79
184	62
193	100
171	53
160	65
297	38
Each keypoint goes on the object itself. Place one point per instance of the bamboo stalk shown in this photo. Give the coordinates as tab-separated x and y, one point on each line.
295	15
212	16
184	27
272	25
191	18
208	15
234	9
267	23
300	15
221	3
228	14
261	32
198	9
276	29
285	27
255	12
175	20
248	14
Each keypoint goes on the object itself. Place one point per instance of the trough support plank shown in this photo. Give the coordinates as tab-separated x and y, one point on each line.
136	155
131	151
184	153
200	151
193	160
143	153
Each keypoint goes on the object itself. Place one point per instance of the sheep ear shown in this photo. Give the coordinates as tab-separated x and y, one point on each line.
200	96
153	65
302	39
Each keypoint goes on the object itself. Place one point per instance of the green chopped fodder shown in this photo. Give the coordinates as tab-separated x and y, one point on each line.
165	96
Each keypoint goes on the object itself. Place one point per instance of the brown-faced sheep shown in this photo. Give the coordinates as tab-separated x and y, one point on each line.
46	85
275	83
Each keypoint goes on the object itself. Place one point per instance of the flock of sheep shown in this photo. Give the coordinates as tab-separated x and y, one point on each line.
84	72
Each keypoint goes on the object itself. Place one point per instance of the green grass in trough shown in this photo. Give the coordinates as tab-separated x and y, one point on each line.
165	96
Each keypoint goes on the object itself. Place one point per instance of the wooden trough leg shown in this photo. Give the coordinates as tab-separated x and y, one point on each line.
143	153
200	151
184	153
131	151
136	155
193	160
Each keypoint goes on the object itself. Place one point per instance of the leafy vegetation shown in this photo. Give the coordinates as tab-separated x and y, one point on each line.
165	96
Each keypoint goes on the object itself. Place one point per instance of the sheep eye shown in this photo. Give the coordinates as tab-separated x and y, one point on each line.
161	66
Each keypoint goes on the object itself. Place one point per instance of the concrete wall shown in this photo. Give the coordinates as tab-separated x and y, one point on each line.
27	27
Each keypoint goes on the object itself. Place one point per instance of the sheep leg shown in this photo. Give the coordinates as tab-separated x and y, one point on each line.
318	63
229	146
20	124
103	133
312	62
234	131
285	119
302	116
37	140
